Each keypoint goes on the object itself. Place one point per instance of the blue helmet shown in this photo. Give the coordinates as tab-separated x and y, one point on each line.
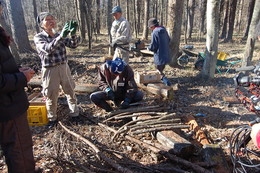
117	66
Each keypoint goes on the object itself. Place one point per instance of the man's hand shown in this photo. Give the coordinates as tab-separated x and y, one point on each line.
65	31
125	104
28	72
110	94
73	27
113	44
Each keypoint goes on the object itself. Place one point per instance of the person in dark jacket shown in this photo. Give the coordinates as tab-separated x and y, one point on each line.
116	80
160	46
15	134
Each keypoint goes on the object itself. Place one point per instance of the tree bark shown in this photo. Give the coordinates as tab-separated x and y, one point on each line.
146	18
98	26
224	28
18	26
231	21
203	5
13	47
175	10
209	66
249	16
191	10
250	44
109	24
81	18
35	15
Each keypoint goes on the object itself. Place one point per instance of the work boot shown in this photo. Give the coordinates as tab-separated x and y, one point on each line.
106	106
166	81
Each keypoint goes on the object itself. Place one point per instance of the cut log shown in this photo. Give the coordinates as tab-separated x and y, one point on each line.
200	135
146	52
213	153
179	146
159	89
147	77
231	100
86	88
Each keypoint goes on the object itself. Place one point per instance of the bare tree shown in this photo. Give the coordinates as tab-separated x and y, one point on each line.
146	18
209	66
174	27
203	5
250	44
98	26
18	26
13	47
109	23
249	16
35	15
225	21
190	15
81	18
231	21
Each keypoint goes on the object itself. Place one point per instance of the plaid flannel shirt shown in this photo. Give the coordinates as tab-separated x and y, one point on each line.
52	50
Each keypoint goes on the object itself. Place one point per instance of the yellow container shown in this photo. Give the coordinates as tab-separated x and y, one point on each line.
222	56
37	114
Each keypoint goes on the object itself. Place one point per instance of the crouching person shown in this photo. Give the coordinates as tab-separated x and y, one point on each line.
116	80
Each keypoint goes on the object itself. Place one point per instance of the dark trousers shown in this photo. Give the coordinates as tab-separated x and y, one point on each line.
160	68
16	143
99	98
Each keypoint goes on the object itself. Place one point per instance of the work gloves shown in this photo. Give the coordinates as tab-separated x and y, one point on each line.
69	27
110	94
166	81
125	104
65	31
73	27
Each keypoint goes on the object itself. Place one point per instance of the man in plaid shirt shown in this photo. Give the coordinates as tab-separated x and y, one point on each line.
55	70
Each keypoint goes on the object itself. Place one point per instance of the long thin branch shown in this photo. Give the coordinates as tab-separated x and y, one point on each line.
96	149
174	158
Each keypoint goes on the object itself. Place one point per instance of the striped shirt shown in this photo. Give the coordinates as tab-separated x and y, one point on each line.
52	50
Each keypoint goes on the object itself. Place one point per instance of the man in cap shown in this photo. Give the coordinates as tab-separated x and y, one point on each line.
121	35
160	46
116	80
51	47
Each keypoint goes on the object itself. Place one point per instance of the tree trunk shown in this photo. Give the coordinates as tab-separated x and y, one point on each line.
13	47
175	10
146	18
191	10
186	22
250	44
89	22
161	12
118	2
231	21
138	15
35	16
209	66
135	23
81	18
18	26
109	23
98	26
203	6
224	28
249	16
127	10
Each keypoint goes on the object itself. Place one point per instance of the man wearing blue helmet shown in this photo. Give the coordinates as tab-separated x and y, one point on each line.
116	80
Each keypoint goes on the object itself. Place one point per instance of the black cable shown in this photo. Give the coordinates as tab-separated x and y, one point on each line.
241	156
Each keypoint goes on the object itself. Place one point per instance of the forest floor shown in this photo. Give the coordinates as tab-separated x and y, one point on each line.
57	151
